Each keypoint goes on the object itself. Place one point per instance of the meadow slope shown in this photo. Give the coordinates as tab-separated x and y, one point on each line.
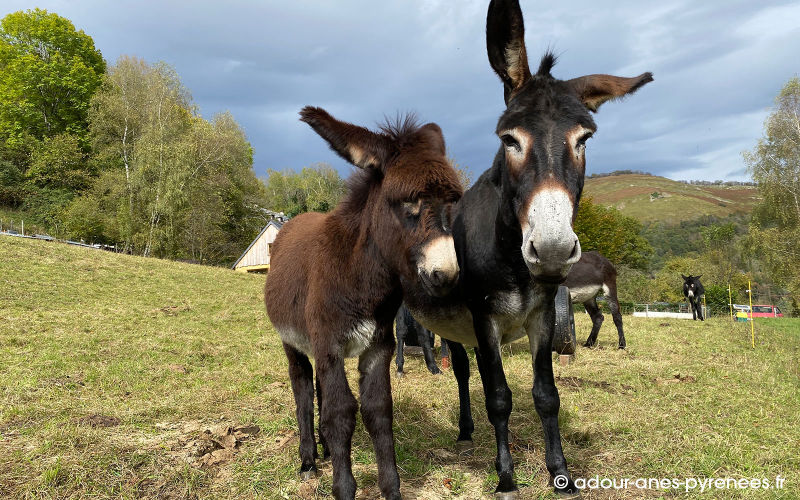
125	377
634	195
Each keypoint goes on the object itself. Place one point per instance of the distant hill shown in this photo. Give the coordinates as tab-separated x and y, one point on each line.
651	198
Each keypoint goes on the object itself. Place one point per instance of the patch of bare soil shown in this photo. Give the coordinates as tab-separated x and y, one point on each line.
96	420
579	383
65	381
676	379
213	446
170	310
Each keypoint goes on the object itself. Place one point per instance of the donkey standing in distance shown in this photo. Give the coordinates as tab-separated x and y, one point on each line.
589	276
390	234
514	238
693	290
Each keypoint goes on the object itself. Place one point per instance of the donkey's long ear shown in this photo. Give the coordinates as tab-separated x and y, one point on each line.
684	277
433	133
594	90
359	146
505	44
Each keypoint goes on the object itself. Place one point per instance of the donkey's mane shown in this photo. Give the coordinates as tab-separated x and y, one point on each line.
548	61
400	130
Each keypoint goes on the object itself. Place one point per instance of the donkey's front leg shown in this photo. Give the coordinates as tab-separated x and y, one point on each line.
461	370
376	409
498	400
541	327
301	376
337	421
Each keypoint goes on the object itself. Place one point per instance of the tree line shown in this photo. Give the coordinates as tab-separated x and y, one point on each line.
120	154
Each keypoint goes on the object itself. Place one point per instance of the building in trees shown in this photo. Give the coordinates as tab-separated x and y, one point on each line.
256	258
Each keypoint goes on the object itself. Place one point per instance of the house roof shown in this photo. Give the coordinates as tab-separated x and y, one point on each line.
273	222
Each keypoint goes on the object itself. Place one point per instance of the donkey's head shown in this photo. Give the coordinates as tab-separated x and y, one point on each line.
691	285
544	132
403	199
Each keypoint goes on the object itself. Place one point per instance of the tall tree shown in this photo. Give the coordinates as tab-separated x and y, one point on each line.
774	164
187	186
48	73
317	189
614	235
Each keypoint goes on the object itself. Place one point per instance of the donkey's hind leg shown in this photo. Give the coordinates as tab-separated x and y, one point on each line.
613	304
376	412
402	333
337	421
326	452
597	321
426	339
302	378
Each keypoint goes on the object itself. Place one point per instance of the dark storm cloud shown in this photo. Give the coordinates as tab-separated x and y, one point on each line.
717	65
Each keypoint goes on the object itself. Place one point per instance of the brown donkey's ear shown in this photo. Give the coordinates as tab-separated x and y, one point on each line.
594	90
433	133
359	146
505	44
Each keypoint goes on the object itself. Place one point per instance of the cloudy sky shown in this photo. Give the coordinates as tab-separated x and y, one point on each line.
717	65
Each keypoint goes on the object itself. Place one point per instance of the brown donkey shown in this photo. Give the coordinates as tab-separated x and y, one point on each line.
337	280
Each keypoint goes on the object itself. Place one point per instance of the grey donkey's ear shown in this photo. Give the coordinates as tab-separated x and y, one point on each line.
594	90
358	145
505	45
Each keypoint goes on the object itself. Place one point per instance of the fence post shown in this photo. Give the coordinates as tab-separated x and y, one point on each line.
752	326
730	301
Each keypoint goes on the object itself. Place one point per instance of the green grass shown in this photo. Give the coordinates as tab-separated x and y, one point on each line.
676	201
170	349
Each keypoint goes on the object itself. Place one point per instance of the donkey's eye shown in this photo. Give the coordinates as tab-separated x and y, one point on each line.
582	141
511	143
412	208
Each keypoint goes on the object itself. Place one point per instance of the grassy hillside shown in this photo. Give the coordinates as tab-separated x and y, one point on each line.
634	195
130	377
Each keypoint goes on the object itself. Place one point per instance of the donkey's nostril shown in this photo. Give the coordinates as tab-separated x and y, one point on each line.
437	277
534	255
574	253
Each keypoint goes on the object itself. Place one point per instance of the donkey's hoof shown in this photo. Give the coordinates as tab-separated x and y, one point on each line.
465	447
308	475
400	374
566	495
507	495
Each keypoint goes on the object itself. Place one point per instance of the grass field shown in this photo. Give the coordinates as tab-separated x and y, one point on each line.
125	377
676	201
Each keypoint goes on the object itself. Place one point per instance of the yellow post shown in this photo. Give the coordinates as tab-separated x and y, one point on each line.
730	300
752	327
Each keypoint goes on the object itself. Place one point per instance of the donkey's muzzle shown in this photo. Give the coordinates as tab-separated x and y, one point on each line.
549	245
438	266
550	259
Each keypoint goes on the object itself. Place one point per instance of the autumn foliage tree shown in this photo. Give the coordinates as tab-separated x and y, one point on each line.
774	164
614	235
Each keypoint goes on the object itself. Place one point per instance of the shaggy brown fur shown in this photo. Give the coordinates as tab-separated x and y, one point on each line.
336	282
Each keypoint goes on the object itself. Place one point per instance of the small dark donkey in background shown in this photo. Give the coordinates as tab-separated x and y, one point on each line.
693	290
587	278
411	333
514	238
393	224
